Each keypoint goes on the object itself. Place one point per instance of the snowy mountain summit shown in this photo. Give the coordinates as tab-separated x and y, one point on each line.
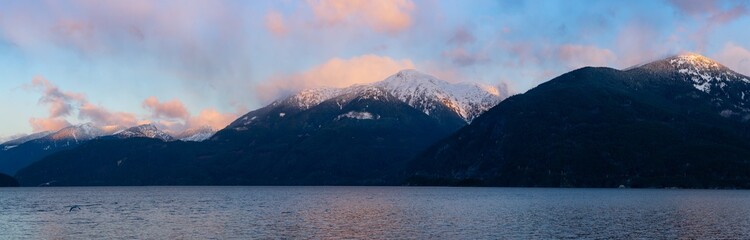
77	133
144	131
425	92
728	90
421	91
196	134
706	74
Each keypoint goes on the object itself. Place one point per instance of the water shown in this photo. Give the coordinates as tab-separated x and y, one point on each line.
370	213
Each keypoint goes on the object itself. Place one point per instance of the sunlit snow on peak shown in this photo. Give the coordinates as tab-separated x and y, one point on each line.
424	92
705	73
421	91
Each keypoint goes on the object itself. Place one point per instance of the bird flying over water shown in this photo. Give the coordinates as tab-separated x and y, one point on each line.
74	207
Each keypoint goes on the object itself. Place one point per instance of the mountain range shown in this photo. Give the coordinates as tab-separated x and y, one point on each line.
326	136
19	153
144	131
681	121
677	122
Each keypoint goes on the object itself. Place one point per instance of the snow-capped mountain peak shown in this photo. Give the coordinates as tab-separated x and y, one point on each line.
308	98
421	91
425	92
144	131
82	132
196	134
705	74
728	90
696	60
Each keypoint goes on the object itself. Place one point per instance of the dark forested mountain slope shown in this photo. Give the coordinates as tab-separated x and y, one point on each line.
678	122
7	181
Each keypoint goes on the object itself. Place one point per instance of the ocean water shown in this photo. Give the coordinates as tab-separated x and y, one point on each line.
371	213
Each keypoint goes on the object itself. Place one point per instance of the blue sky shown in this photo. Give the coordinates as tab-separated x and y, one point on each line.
185	64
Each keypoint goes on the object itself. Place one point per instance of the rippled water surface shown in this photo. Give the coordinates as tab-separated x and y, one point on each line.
370	213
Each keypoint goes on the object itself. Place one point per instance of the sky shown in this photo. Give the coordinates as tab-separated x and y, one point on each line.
190	63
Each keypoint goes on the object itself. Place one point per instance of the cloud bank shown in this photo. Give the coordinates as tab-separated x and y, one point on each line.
62	104
171	116
387	16
335	72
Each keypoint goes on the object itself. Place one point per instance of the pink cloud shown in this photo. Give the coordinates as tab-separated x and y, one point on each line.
735	57
62	105
576	56
712	14
103	117
198	41
334	73
388	16
47	124
173	117
275	24
212	118
170	109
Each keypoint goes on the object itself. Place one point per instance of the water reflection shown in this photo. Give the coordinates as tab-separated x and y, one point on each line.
371	213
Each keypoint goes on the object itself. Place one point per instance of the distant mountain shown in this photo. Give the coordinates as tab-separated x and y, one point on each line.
14	158
196	134
677	122
360	135
17	141
144	131
130	161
